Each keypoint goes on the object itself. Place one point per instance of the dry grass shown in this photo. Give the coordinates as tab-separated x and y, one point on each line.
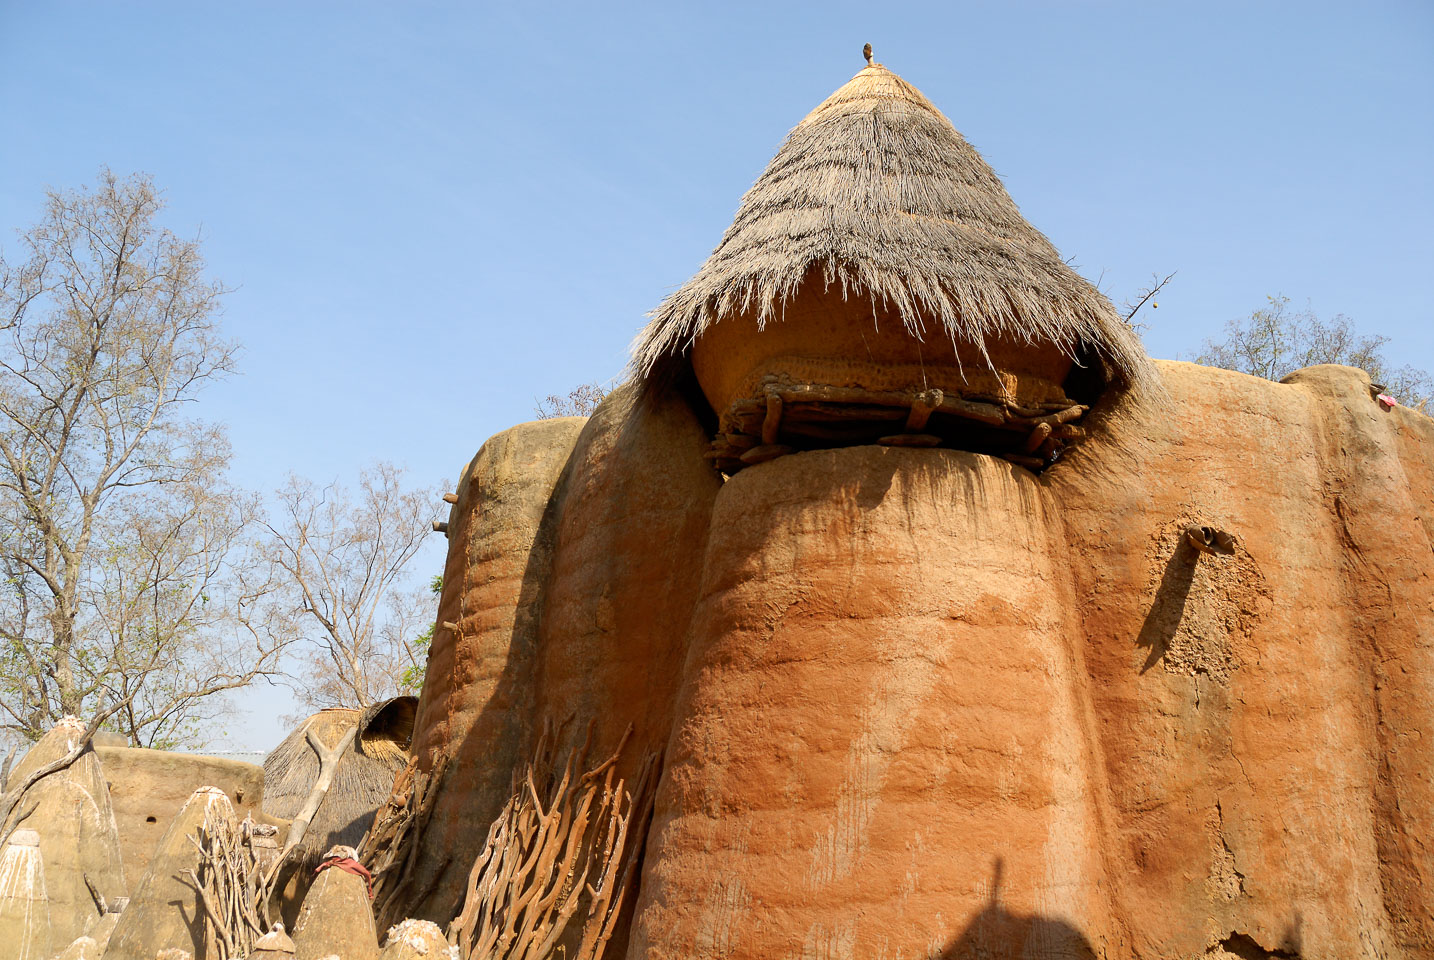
879	194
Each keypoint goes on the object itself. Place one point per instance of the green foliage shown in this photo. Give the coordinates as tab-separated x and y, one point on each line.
412	679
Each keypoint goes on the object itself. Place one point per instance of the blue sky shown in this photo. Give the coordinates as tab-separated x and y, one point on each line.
434	213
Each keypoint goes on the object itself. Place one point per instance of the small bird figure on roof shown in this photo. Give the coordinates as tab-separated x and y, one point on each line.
866	52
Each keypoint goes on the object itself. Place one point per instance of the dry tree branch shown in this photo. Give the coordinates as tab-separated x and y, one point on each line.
555	832
391	847
5	768
329	758
609	897
1146	295
233	898
99	898
328	765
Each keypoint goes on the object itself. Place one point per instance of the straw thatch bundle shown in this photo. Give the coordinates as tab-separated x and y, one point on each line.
876	193
361	783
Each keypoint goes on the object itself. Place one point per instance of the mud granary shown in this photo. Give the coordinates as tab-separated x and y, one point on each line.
957	626
898	607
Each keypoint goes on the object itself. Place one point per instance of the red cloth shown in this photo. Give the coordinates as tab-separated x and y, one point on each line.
348	865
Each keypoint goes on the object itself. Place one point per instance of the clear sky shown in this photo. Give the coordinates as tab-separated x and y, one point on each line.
435	213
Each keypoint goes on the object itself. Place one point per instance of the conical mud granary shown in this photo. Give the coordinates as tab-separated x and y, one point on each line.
1164	694
75	819
166	911
335	916
879	283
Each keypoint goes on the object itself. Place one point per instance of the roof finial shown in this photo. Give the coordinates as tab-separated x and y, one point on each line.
866	52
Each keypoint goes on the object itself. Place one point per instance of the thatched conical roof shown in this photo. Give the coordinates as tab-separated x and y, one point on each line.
362	782
364	777
880	193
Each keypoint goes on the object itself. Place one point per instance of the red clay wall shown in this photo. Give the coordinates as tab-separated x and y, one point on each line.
925	704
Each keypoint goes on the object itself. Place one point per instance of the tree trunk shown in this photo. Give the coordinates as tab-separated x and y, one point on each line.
64	672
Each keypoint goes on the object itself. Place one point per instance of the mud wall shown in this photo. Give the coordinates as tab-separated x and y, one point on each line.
925	703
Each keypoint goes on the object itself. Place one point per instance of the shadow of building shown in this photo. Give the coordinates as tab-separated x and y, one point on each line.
1000	934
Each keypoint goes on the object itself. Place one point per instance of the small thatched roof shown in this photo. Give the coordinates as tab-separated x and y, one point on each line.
877	192
361	783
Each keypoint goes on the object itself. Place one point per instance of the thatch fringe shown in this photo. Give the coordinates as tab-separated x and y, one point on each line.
877	192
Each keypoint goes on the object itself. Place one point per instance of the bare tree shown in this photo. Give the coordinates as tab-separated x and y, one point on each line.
346	585
185	572
581	401
1146	295
118	534
1275	341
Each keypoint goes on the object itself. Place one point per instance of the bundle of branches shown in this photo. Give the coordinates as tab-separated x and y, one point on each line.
231	884
390	848
559	842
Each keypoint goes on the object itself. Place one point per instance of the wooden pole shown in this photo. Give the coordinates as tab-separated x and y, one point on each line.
328	766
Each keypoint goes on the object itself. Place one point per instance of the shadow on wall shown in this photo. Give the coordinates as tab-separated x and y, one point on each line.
1166	612
998	934
500	739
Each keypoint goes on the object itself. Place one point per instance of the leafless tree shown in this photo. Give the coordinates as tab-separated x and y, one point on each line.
581	401
1146	295
346	586
118	533
1275	341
